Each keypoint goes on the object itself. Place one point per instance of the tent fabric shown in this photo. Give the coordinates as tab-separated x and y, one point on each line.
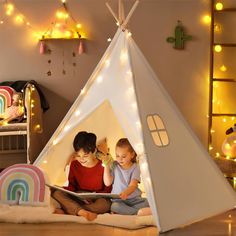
124	97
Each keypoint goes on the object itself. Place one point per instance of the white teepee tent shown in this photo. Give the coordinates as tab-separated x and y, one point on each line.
123	97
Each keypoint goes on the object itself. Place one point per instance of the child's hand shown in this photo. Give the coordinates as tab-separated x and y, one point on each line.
123	195
107	160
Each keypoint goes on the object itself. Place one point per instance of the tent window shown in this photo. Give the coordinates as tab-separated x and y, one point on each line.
158	130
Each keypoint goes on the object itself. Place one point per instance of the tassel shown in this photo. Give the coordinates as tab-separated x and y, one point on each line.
42	47
81	47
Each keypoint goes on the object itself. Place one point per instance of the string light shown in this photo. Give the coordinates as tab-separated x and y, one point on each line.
223	68
227	146
129	72
9	9
63	14
107	63
217	28
206	19
109	40
19	19
82	91
54	142
37	127
123	56
219	6
134	105
138	124
67	127
130	91
77	113
78	26
99	79
218	48
217	154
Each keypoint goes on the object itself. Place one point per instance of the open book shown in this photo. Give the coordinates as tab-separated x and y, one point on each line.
85	195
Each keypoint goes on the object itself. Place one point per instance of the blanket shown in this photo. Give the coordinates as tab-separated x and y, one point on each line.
29	214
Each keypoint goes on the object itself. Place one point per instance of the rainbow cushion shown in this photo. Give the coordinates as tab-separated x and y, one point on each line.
6	93
23	184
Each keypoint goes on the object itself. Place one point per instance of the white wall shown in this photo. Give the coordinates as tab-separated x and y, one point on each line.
184	73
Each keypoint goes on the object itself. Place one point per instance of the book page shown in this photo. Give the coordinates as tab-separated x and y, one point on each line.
85	195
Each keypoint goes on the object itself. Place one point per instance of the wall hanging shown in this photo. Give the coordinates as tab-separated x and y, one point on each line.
180	37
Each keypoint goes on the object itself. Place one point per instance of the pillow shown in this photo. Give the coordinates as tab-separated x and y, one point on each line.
23	184
6	94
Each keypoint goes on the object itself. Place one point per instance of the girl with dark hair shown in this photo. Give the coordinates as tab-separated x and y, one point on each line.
86	175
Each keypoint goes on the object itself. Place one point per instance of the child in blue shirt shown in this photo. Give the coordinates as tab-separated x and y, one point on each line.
124	177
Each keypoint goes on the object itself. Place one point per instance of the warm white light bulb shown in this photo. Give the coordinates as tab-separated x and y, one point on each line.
67	127
219	6
206	19
55	142
82	91
99	79
123	56
138	124
218	48
107	63
134	105
217	154
129	73
77	113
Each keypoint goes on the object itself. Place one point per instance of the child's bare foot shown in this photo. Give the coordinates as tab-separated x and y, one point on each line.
90	216
58	211
144	211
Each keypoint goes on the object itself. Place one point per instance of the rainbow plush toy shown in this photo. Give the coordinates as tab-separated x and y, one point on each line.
6	94
23	184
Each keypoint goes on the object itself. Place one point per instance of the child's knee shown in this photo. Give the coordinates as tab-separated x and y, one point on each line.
115	207
104	204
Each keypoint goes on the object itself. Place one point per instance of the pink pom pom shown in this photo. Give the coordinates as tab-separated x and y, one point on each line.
42	47
81	47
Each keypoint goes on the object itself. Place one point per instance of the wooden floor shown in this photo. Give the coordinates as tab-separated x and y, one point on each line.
223	225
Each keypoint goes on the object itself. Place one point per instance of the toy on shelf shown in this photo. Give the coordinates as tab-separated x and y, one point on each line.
229	144
15	111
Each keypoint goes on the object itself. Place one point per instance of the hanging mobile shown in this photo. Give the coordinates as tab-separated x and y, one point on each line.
74	62
49	73
63	62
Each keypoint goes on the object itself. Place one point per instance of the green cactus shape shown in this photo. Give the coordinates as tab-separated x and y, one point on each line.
179	38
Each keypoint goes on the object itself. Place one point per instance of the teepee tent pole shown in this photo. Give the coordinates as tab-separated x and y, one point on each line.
130	14
112	12
121	12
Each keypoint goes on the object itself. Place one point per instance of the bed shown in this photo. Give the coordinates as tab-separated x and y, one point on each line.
21	140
